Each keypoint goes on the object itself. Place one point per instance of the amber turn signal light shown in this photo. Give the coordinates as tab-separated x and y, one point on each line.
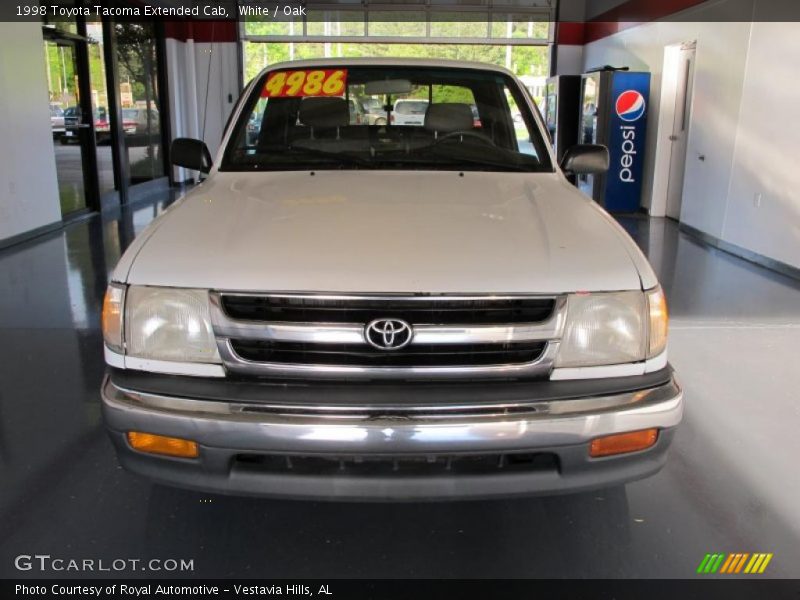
621	443
112	317
159	444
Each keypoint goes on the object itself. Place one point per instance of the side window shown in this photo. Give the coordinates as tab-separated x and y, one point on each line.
254	122
239	103
521	132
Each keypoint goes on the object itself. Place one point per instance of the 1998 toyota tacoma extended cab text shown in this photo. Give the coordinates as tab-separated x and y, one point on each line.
355	311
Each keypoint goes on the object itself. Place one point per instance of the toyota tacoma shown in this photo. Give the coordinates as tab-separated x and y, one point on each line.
349	310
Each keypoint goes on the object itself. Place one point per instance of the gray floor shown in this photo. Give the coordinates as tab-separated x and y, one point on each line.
731	484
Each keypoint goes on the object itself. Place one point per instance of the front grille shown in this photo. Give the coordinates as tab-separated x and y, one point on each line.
420	466
328	336
418	311
415	355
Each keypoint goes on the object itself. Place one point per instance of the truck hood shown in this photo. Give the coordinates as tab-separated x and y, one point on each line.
384	231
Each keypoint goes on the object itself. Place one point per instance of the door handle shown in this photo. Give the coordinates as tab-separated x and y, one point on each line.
673	138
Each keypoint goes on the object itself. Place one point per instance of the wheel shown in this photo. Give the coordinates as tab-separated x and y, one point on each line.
380	121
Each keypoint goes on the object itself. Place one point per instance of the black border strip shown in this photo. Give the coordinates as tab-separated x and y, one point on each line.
703	587
625	11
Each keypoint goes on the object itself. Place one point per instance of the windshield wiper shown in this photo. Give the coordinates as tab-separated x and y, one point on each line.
427	156
456	161
337	156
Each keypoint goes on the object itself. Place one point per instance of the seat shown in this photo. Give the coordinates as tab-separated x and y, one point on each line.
324	114
325	125
448	117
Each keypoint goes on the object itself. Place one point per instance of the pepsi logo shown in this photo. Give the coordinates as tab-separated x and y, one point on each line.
630	106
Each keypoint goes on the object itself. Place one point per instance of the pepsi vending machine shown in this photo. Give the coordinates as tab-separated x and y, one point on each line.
561	108
613	112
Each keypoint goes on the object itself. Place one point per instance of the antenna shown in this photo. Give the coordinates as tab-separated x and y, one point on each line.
208	85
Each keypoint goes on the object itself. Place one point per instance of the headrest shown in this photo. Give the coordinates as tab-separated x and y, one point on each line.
448	117
324	112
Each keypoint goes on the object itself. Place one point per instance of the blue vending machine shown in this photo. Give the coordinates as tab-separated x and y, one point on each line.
613	109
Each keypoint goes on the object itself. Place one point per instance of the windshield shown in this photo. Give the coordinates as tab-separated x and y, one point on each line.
421	119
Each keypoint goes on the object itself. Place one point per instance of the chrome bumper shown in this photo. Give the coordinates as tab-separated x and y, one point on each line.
224	430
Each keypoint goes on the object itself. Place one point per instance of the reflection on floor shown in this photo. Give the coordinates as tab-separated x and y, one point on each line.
144	163
731	483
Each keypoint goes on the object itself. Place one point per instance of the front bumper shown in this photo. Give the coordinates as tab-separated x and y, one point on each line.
228	431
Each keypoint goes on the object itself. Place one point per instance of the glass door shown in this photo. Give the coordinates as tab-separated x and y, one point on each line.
140	101
66	123
103	111
71	128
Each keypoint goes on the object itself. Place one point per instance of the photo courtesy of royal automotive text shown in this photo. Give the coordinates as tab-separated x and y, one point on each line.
391	299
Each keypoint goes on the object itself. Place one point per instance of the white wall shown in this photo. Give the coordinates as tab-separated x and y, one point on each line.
28	185
765	160
569	59
745	97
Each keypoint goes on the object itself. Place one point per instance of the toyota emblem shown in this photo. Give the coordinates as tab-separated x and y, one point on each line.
388	334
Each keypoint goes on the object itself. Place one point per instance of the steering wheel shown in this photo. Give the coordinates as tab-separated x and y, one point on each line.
465	133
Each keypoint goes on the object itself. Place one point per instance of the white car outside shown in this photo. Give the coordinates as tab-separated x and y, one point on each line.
409	111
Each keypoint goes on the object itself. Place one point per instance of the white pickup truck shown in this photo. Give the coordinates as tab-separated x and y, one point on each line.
358	311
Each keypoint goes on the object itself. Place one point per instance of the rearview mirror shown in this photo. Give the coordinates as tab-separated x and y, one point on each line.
387	86
191	154
585	159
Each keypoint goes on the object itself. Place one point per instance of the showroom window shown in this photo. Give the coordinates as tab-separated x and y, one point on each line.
106	116
517	35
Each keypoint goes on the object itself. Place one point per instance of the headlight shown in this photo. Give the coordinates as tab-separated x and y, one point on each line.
605	328
169	324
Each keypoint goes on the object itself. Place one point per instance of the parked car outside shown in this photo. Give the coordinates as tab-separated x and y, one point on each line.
408	111
357	115
73	124
349	311
72	117
375	112
56	121
130	120
476	119
140	121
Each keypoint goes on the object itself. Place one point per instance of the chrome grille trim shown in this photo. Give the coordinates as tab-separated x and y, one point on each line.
322	333
388	296
226	328
337	333
234	363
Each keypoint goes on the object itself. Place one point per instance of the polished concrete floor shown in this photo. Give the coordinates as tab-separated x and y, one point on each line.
731	484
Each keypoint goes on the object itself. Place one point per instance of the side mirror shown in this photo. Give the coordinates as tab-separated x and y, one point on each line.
190	153
585	159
